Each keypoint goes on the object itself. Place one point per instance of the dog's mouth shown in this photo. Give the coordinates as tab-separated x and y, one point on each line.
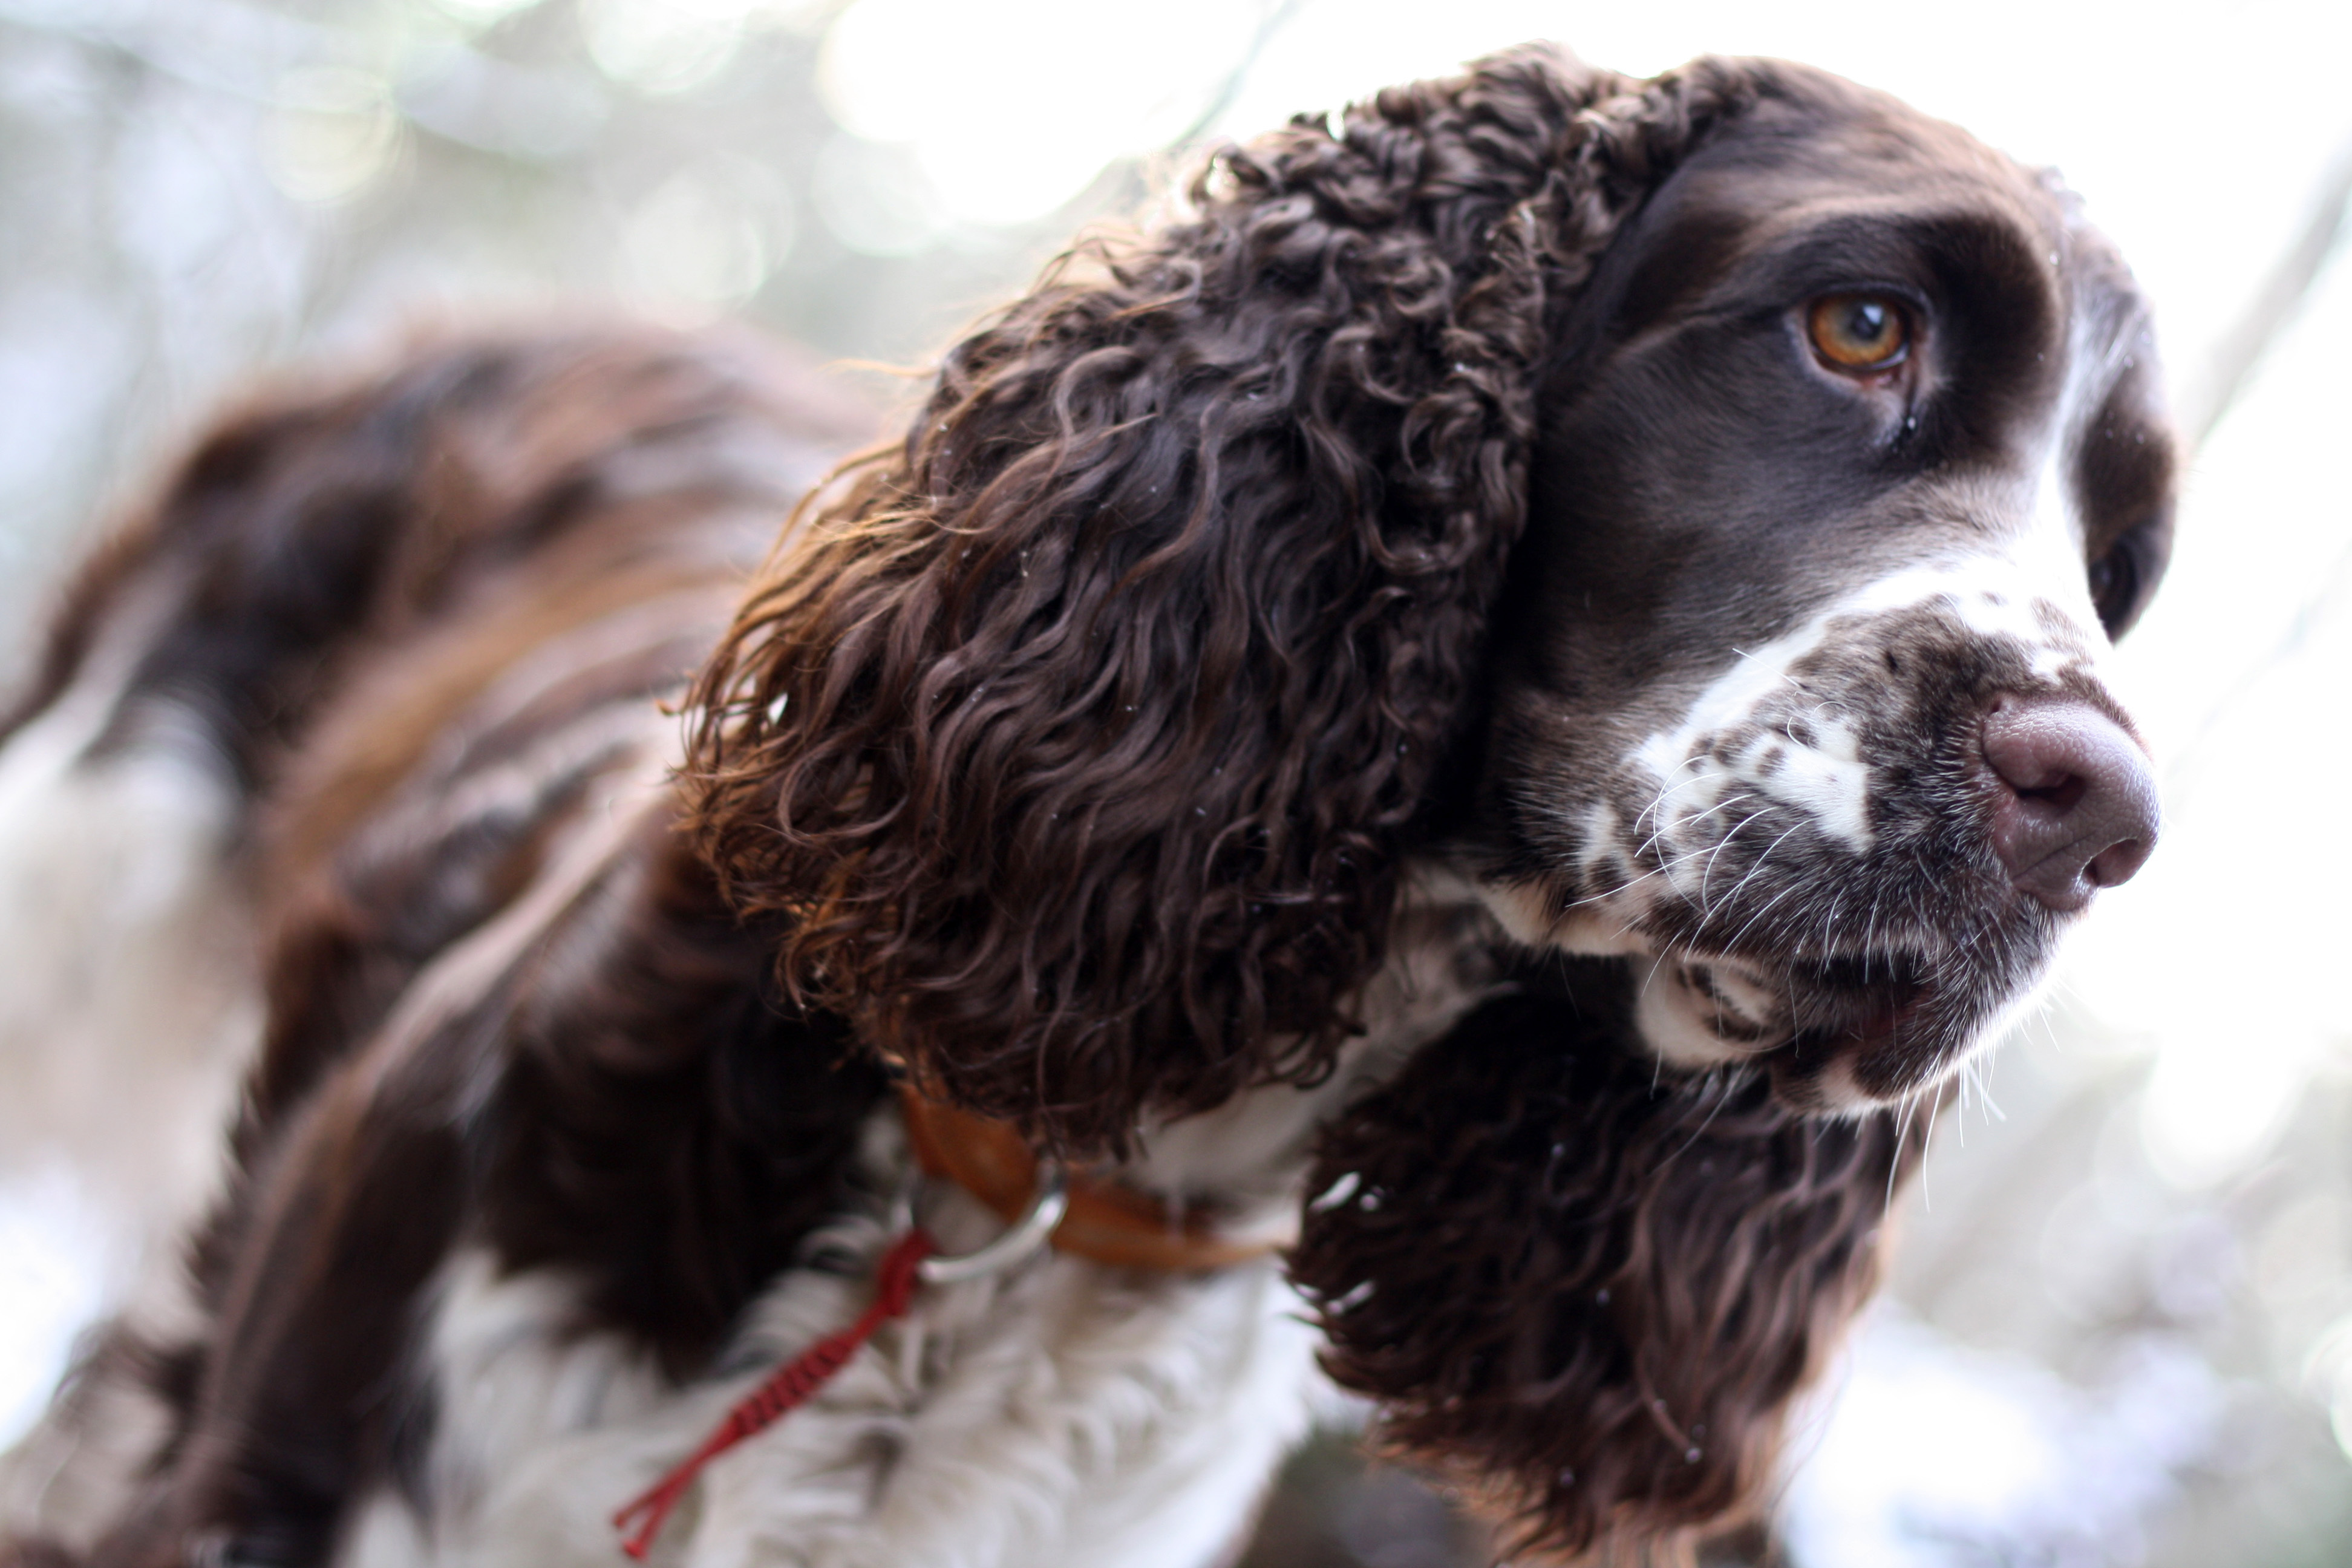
1833	1033
1860	1001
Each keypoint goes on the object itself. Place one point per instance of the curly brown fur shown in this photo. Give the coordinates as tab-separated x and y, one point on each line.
1080	744
1584	1292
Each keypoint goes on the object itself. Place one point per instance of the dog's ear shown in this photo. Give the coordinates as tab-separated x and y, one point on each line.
1586	1293
1078	738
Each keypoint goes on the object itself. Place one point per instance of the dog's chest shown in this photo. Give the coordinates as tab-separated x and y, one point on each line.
1065	1412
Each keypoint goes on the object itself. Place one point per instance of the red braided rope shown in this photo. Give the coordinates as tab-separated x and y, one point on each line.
789	1385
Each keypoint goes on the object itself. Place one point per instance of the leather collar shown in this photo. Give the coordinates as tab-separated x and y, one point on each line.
1106	1221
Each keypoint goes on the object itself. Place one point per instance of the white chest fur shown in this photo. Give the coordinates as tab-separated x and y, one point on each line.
1063	1414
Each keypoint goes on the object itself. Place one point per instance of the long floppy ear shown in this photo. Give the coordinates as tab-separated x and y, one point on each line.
1080	739
1587	1293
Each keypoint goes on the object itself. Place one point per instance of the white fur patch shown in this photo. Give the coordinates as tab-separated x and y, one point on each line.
128	996
128	1003
2029	591
1675	1022
1695	1024
1824	778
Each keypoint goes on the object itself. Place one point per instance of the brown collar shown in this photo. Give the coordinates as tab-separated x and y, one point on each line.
1106	1221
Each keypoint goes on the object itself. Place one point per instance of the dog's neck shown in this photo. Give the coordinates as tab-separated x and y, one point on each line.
1249	1156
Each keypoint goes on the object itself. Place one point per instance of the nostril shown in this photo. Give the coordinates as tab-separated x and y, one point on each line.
2029	748
2077	810
2118	862
2062	792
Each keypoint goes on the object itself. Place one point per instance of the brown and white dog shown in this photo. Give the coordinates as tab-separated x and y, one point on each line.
1487	704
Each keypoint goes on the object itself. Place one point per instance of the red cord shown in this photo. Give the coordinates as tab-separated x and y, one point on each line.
790	1386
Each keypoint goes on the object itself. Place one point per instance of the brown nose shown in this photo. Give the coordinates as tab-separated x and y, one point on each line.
2079	810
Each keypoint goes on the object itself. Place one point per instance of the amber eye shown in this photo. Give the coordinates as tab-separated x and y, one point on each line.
1859	332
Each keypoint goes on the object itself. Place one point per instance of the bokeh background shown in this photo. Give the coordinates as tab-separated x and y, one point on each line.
2121	1329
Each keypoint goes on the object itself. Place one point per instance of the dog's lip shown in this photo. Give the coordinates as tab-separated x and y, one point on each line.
1852	999
1849	974
1845	1017
1880	1019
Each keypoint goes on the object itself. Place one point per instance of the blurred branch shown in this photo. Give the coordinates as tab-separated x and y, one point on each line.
2229	372
2231	367
239	51
1276	16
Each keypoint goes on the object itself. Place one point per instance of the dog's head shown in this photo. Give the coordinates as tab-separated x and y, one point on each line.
1849	470
1696	507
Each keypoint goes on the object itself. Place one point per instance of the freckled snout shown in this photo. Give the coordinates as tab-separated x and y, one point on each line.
2077	810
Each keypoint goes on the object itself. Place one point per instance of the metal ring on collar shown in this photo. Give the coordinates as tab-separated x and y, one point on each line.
1047	1203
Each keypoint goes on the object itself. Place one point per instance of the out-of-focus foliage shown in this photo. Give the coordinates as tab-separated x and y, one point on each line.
194	188
2121	1332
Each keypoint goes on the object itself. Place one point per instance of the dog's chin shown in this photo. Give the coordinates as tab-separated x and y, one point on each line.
1835	1033
1833	1038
